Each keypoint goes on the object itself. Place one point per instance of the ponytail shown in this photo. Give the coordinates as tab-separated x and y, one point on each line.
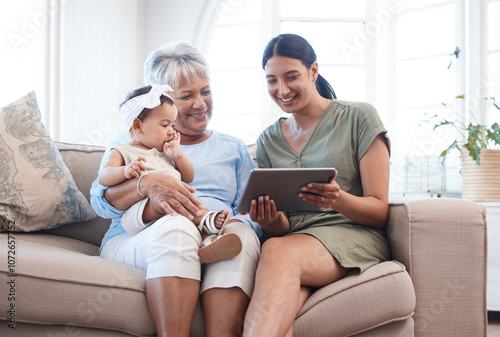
324	88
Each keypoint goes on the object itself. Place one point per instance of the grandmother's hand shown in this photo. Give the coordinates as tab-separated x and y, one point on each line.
321	194
170	195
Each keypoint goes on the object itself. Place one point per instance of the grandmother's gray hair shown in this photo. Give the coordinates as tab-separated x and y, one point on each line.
172	61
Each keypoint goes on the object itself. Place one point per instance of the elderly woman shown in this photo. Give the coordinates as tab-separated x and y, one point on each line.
167	248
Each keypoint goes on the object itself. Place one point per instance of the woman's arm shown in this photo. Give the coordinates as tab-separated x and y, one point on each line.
372	208
166	194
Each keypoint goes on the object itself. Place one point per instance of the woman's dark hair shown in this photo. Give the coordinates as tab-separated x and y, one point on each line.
296	47
141	91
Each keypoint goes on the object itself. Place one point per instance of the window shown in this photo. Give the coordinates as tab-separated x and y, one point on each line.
493	55
240	35
406	57
82	57
425	70
233	55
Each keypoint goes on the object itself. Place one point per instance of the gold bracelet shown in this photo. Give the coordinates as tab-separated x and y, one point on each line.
138	183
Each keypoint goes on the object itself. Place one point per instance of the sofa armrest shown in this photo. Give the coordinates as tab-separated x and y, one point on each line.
443	244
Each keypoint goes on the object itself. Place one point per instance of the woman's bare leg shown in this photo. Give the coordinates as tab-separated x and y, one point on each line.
305	292
286	264
224	311
172	302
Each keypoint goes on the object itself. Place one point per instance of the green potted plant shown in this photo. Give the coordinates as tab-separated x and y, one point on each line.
479	145
477	135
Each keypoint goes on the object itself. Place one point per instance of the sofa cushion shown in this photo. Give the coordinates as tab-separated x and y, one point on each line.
37	190
83	162
380	296
62	281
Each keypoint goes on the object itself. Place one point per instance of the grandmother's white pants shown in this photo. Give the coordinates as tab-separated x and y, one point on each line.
169	248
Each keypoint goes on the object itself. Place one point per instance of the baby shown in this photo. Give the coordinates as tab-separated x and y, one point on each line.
149	114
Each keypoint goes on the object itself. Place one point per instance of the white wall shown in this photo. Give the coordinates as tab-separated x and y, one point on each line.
97	67
21	35
103	47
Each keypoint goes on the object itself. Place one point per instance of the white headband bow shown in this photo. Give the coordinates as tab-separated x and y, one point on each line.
133	107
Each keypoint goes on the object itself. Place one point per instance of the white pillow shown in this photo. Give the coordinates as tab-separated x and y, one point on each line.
37	190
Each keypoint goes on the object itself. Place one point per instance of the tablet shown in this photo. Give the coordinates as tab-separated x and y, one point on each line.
283	186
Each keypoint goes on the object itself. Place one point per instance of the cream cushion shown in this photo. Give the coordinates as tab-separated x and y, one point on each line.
37	190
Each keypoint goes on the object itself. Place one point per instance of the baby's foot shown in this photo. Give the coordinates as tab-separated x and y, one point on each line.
213	222
220	217
219	247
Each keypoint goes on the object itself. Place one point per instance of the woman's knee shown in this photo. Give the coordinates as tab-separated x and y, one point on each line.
279	250
273	246
177	228
249	240
172	250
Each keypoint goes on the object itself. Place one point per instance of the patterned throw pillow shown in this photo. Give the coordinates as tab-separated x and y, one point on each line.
37	190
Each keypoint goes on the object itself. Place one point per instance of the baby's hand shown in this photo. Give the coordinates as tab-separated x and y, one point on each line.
172	148
135	168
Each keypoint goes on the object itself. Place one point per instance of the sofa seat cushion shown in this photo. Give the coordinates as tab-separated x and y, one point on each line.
381	295
62	281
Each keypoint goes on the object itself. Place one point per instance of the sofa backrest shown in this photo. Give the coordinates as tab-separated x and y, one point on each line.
83	162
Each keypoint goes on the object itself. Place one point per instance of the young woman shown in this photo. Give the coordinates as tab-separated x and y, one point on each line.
309	250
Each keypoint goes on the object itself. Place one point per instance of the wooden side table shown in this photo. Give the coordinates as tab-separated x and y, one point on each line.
493	228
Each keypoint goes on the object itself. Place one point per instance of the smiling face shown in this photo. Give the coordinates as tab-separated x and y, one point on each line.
289	83
158	127
194	107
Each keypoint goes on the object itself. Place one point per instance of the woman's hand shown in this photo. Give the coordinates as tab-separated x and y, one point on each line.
264	212
321	194
170	195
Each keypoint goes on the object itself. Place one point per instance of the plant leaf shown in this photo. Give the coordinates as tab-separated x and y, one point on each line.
441	123
494	133
445	152
474	151
495	103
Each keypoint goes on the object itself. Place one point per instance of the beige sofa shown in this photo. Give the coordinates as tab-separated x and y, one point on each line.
435	286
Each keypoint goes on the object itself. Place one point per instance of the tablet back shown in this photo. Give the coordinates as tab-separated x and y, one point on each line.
283	186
